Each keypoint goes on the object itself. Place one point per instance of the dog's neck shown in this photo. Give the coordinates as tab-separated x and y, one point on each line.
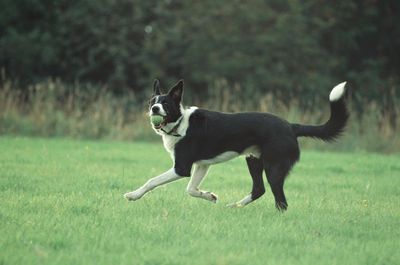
179	127
174	130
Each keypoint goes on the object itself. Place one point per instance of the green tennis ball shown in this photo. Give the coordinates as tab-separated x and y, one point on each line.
156	120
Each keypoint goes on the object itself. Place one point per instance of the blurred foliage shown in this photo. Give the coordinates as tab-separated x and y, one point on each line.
53	109
288	48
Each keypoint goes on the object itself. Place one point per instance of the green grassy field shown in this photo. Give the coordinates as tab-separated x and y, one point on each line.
62	203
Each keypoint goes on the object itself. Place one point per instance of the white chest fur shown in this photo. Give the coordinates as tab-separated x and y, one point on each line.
169	143
169	140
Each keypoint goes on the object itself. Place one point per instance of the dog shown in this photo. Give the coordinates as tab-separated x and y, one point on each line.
198	138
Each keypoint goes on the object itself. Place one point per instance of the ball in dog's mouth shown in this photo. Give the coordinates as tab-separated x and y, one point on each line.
158	121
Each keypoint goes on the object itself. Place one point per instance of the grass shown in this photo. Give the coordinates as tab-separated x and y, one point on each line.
61	203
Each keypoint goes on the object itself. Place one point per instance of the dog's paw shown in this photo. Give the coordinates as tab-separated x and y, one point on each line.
281	206
134	195
235	205
212	197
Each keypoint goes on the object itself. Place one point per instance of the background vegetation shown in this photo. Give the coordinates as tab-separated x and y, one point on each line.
67	65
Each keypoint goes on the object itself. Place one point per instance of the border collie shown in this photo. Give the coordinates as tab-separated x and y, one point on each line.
199	138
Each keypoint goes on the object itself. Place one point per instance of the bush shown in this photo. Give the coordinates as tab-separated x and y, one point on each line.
292	49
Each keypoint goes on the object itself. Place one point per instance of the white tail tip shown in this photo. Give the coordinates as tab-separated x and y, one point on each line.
337	92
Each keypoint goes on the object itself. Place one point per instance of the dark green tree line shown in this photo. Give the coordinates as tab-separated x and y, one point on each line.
284	47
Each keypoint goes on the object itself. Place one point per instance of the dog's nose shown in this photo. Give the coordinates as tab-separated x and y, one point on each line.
155	109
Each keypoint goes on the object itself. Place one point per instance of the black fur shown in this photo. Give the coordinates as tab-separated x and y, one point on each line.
332	129
256	168
212	133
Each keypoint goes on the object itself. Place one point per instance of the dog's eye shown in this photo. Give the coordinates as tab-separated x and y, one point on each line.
151	101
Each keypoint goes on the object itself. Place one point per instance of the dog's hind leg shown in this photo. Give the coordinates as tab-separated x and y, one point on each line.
200	171
255	166
276	173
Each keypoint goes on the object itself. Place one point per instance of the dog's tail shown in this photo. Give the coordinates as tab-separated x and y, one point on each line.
336	123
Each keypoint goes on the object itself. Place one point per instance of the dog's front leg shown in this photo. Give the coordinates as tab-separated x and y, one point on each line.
200	171
152	183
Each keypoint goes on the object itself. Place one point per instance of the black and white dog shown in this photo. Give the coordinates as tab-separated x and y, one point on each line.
199	138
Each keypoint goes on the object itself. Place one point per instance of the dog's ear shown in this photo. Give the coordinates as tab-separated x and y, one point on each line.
156	87
176	91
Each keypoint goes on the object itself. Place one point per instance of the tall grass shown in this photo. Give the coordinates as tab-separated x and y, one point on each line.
53	109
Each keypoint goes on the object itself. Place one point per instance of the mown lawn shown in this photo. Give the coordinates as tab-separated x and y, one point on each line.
62	203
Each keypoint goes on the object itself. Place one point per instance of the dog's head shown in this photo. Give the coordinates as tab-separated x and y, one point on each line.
166	105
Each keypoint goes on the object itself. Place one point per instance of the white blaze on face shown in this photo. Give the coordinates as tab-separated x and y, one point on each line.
161	112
